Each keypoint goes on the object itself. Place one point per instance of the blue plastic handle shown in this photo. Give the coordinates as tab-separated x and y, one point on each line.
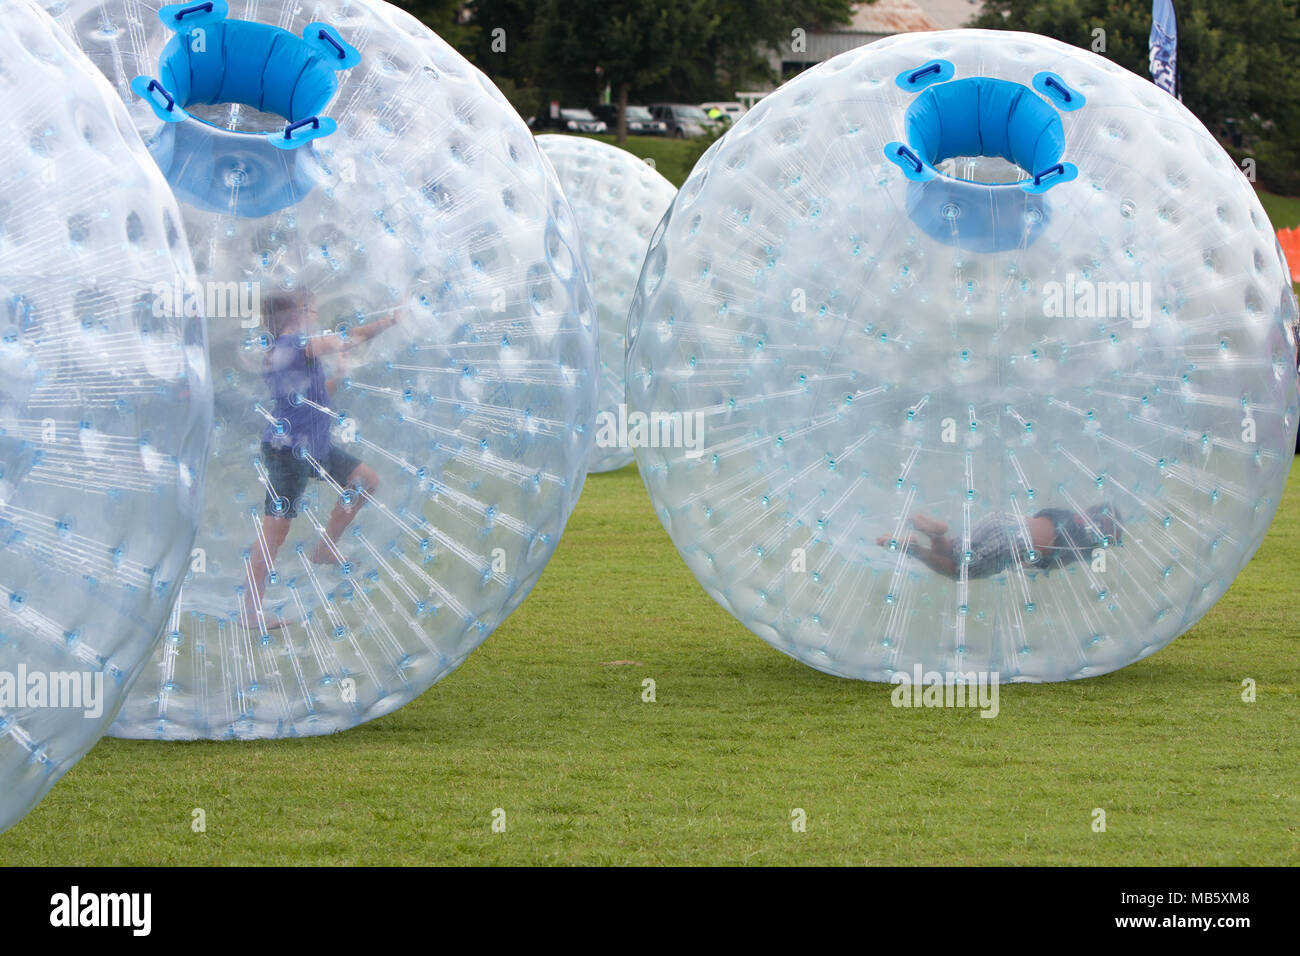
313	120
911	157
1056	170
325	35
1051	81
925	71
196	8
155	85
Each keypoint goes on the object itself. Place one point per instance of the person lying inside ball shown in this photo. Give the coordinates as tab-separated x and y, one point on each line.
296	444
1052	538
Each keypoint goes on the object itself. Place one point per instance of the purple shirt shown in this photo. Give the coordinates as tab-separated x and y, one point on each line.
292	375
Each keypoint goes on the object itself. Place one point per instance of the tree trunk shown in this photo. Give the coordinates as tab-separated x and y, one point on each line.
621	133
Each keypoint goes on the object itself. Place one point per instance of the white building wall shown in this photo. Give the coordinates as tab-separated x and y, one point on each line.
821	46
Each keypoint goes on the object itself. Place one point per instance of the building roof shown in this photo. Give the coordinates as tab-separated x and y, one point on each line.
885	17
949	14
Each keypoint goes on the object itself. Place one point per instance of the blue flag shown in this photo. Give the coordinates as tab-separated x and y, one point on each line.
1164	46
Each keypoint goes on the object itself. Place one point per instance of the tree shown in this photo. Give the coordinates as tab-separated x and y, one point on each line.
627	43
501	44
753	27
690	49
444	18
1237	59
503	49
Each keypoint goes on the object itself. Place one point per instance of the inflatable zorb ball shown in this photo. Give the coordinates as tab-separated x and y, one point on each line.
617	200
105	407
1030	415
403	349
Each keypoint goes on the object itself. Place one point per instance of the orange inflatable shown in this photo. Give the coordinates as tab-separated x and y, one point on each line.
1290	240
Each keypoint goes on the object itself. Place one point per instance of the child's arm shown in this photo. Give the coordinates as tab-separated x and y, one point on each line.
342	366
363	333
330	341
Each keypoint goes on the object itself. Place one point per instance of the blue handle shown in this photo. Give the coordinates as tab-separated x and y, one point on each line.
155	85
925	71
911	157
313	120
195	8
325	35
1051	81
1056	170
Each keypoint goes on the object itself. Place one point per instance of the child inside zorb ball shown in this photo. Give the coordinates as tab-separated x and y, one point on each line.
296	446
379	498
1052	538
929	287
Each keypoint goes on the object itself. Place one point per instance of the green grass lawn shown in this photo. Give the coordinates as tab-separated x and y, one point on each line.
1284	211
673	158
546	722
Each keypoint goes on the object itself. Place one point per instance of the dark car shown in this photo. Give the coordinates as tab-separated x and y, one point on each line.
639	120
682	120
571	120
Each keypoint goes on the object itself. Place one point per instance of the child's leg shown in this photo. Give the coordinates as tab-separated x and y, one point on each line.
936	558
274	531
927	525
938	555
932	528
286	477
362	476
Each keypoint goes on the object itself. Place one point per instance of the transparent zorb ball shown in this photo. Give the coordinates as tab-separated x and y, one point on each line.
403	348
990	345
105	406
617	201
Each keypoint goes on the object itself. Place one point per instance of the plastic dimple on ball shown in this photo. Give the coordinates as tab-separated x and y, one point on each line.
403	345
617	200
105	407
991	345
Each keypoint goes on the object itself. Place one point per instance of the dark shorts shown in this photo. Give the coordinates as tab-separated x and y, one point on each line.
288	475
995	540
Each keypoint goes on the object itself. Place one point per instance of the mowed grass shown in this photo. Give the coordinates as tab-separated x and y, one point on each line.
1284	211
546	722
673	158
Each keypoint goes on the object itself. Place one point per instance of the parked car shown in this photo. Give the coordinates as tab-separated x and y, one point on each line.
731	111
571	120
639	120
682	121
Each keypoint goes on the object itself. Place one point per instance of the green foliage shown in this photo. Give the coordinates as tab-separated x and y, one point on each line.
752	27
588	43
527	100
688	50
443	17
1237	59
502	44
